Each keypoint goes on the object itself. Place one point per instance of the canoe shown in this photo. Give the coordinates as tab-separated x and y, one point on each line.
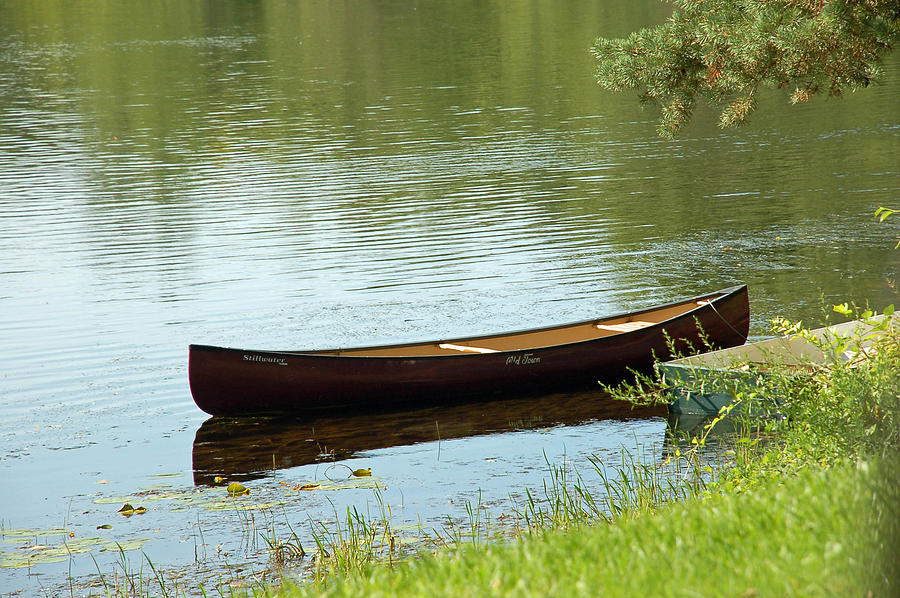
227	381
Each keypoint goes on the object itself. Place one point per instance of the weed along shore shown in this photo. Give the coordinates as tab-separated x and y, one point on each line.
802	503
799	537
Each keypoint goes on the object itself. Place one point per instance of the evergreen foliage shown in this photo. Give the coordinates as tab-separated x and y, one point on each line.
726	50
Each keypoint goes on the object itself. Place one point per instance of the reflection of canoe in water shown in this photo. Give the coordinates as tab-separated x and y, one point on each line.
556	359
245	448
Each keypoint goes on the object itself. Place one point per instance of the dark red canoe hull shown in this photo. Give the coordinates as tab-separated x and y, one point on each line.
235	381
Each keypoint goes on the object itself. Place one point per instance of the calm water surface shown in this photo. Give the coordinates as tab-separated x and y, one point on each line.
306	175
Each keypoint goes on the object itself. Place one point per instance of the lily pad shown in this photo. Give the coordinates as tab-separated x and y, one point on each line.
128	510
38	554
111	500
178	495
236	488
301	487
126	545
230	505
29	533
371	482
29	559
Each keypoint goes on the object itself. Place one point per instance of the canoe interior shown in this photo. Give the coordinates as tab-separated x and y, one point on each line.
530	339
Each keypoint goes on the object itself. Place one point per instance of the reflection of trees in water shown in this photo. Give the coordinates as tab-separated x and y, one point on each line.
191	77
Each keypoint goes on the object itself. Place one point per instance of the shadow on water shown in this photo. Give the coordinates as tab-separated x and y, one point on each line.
249	447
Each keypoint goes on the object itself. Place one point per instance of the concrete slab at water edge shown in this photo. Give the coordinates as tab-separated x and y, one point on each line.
741	367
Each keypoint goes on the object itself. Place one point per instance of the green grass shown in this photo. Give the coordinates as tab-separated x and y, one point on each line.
812	535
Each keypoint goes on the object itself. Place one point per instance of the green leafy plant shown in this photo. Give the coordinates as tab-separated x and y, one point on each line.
882	214
725	51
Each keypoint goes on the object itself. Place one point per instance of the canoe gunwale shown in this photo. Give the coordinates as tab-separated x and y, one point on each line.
718	297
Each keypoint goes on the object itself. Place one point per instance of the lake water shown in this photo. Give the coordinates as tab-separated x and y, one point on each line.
295	175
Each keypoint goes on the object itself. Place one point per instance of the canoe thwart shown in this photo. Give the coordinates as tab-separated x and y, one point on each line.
466	348
708	300
624	326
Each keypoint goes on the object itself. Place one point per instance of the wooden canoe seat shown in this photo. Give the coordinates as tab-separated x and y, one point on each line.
466	348
624	326
706	301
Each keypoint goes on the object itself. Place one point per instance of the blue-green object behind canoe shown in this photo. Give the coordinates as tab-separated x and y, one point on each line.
743	363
